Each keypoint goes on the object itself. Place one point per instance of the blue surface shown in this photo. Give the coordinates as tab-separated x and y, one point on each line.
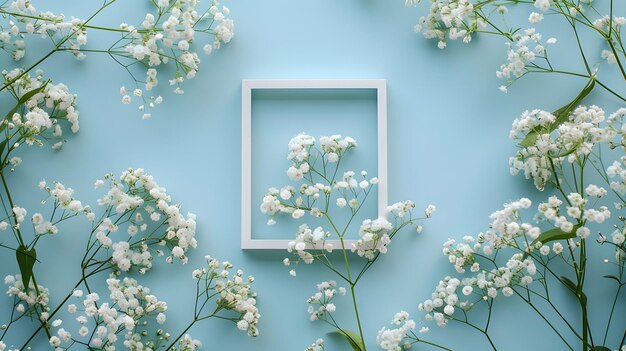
448	145
279	115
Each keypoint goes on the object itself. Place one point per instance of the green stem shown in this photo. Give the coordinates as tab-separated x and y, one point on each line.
182	333
6	190
608	324
483	331
556	178
545	319
45	325
619	62
433	344
610	41
23	245
555	309
67	297
352	284
581	297
358	319
547	70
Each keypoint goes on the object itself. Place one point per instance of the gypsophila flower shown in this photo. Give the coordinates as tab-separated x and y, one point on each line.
169	38
31	299
507	231
318	345
136	192
520	55
320	303
315	238
234	293
127	312
374	237
542	5
454	19
45	112
392	339
187	343
571	140
325	188
535	17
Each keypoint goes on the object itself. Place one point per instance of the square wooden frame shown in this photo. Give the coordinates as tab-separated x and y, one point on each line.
247	86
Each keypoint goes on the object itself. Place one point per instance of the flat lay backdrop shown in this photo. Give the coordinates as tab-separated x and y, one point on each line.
448	145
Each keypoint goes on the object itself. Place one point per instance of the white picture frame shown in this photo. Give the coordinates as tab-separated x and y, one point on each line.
247	86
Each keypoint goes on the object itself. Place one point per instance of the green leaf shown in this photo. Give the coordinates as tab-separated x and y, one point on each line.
569	284
614	278
573	288
561	115
353	338
552	235
566	153
26	260
600	348
27	96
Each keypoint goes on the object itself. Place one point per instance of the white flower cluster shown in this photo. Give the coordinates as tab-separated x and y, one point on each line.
169	36
127	312
508	231
234	291
186	343
323	298
524	50
461	254
318	345
315	238
296	203
42	226
606	25
374	237
452	18
138	195
334	146
123	257
619	236
395	339
41	120
290	204
506	227
310	163
571	140
617	170
487	285
25	19
577	211
63	198
300	147
30	300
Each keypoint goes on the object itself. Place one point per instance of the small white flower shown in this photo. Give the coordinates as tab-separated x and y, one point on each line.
341	202
535	17
55	341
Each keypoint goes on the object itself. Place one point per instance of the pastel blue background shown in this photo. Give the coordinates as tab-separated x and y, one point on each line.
279	115
448	145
